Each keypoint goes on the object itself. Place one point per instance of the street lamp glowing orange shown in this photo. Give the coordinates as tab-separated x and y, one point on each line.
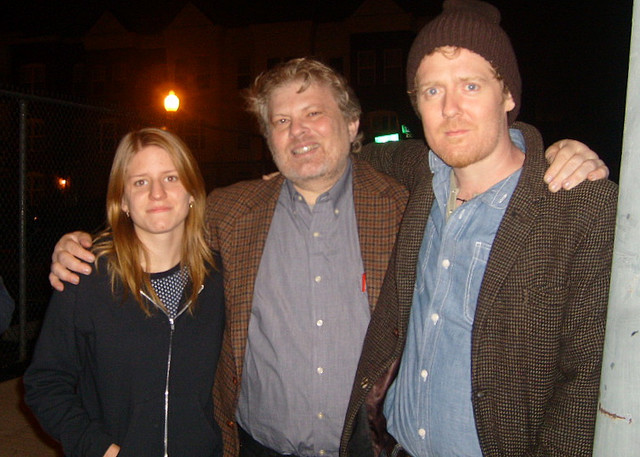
62	183
171	102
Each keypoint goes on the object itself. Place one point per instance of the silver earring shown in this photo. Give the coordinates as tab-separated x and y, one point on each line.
127	213
190	204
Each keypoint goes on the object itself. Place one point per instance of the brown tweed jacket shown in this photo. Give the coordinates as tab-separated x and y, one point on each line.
539	324
238	218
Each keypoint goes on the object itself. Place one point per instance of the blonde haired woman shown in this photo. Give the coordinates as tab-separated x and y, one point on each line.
125	361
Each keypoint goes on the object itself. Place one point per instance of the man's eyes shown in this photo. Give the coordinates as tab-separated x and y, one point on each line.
428	92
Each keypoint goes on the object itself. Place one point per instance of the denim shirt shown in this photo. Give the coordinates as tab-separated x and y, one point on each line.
428	407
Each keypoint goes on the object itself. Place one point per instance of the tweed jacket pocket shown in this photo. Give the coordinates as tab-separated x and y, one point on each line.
541	314
546	296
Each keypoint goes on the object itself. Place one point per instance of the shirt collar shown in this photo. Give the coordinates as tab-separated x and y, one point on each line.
335	195
496	196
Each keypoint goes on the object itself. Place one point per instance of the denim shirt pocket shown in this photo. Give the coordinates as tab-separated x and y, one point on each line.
475	274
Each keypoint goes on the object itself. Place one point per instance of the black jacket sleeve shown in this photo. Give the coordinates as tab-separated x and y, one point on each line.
405	161
51	380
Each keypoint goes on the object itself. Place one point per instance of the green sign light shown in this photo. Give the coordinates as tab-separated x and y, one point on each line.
387	138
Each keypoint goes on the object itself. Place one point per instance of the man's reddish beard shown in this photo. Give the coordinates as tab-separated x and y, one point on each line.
458	152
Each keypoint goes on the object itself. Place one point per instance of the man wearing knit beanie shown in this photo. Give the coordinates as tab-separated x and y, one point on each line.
488	332
475	26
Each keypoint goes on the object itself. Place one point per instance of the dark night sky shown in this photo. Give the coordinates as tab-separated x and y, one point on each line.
573	54
574	59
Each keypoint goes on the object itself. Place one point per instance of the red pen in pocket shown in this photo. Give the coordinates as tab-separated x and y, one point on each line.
364	282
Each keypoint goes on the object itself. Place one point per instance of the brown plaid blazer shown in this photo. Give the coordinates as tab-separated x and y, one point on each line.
539	324
238	219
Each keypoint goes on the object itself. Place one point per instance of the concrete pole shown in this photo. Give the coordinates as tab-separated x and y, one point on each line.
618	421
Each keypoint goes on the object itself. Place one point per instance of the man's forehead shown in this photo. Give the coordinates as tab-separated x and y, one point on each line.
301	85
321	92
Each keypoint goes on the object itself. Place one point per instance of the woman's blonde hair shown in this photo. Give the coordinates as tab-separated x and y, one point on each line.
119	242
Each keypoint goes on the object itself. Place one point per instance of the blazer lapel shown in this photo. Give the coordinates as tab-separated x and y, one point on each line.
506	247
377	219
410	239
516	224
249	235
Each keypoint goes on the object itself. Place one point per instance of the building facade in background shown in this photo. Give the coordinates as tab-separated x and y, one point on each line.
208	59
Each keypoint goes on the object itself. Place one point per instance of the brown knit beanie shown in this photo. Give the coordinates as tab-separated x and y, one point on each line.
473	25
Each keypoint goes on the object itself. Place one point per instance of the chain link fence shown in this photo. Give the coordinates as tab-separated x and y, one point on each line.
55	158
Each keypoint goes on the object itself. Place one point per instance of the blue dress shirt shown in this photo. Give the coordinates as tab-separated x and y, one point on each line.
308	320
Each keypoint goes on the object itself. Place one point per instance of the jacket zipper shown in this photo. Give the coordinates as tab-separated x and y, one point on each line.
172	326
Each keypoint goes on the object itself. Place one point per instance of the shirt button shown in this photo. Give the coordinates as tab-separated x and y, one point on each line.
319	322
424	374
336	211
422	433
320	370
321	452
446	264
435	318
318	278
316	234
320	415
299	198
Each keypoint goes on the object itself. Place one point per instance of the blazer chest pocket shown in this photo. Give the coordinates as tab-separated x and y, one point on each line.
545	297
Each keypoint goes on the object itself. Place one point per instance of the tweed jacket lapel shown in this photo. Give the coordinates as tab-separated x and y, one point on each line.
238	217
517	222
247	239
378	216
409	241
